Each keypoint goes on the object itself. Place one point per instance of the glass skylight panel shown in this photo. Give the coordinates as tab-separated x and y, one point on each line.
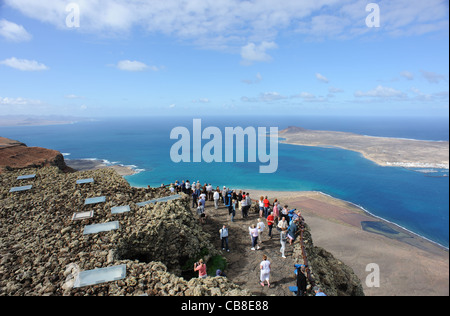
120	209
163	199
82	215
95	200
102	275
20	189
84	181
98	228
26	177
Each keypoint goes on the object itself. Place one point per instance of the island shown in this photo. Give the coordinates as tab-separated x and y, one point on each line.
384	151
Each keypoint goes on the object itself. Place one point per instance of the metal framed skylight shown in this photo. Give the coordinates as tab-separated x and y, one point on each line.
96	200
163	199
20	189
98	228
84	181
99	276
82	215
26	177
120	209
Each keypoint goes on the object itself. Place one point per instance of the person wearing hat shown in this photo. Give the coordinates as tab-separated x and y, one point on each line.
318	291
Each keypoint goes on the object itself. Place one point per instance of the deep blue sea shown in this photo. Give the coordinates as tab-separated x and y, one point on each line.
414	200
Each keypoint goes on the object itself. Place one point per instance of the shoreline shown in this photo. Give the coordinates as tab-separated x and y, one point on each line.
89	164
356	209
384	151
405	258
336	225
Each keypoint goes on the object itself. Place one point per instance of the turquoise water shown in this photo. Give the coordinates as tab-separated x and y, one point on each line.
414	200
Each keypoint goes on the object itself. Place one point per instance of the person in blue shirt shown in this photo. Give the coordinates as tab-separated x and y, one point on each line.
318	291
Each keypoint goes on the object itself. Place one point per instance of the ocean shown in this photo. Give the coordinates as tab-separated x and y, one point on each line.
415	199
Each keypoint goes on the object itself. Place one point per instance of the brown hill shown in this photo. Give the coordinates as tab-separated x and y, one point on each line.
16	155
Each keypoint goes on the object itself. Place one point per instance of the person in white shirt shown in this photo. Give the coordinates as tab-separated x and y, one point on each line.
224	237
216	199
254	234
209	190
260	226
265	271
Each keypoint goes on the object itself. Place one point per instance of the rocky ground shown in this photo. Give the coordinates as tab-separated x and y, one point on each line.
42	249
243	263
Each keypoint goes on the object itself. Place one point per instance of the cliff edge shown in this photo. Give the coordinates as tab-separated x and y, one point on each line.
16	155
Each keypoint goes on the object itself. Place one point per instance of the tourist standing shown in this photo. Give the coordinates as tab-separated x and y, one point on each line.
201	268
254	235
266	206
270	223
243	205
194	198
265	271
224	238
260	225
301	282
292	232
209	189
248	204
261	206
216	199
224	195
283	243
276	211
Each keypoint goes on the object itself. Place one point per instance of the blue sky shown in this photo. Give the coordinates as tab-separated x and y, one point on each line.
129	58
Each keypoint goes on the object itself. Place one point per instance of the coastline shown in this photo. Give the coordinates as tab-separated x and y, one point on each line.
384	151
405	259
95	164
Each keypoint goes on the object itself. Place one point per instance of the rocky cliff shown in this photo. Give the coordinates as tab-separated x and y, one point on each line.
17	155
330	274
42	249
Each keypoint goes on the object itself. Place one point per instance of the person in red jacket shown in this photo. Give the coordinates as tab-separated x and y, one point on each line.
270	223
266	207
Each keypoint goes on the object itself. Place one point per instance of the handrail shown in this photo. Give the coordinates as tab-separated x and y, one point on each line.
305	258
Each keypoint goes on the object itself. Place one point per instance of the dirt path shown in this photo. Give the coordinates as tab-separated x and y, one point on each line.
243	263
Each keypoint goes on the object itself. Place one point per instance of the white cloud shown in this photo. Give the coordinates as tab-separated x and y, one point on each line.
381	92
265	97
257	53
128	65
19	101
408	75
73	96
202	100
334	90
322	78
13	32
432	77
221	24
258	79
23	64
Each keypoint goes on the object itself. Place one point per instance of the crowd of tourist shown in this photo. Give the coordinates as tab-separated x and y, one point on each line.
284	220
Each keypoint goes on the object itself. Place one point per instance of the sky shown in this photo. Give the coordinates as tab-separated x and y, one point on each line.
97	58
